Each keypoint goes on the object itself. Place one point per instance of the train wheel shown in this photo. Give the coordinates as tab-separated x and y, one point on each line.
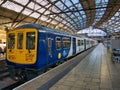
21	76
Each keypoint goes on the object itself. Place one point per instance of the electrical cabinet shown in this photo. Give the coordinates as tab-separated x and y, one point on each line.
115	45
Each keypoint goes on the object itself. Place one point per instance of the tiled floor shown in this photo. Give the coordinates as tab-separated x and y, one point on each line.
95	72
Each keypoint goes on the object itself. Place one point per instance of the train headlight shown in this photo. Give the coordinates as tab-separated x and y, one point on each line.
11	57
28	59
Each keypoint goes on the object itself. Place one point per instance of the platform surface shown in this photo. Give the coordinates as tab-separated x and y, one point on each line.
95	72
2	57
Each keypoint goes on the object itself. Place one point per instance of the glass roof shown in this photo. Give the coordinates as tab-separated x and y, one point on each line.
12	6
100	9
113	25
67	15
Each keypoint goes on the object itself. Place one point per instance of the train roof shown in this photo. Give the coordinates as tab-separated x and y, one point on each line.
39	27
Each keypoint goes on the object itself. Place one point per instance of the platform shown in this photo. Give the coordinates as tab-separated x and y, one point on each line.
95	72
2	57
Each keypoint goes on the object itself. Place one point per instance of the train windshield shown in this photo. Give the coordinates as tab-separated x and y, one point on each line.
30	43
20	41
11	41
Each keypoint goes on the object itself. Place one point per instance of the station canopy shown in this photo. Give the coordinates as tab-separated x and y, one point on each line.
92	32
66	15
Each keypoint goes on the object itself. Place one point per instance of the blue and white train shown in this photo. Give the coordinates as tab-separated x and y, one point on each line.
32	48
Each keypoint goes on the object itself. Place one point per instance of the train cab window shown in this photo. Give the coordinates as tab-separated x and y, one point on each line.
20	41
11	41
30	43
66	42
58	43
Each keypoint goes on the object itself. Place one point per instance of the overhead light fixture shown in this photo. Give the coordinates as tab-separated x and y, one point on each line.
53	0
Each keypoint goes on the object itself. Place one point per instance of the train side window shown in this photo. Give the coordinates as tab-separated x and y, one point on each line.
87	42
78	42
11	41
30	43
58	43
82	42
20	41
66	42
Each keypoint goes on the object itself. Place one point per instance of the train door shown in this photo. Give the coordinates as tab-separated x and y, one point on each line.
50	50
84	44
20	51
74	46
27	46
31	46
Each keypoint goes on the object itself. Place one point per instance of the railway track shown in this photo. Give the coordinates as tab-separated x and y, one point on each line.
6	83
10	87
3	67
5	79
2	62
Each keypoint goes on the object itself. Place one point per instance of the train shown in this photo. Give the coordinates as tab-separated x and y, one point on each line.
32	48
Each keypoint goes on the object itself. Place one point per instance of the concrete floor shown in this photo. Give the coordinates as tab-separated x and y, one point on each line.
95	72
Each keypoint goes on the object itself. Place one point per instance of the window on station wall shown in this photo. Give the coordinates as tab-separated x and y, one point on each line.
30	42
66	42
20	41
11	41
58	43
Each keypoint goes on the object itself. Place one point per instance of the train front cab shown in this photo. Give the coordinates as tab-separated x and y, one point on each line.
21	50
